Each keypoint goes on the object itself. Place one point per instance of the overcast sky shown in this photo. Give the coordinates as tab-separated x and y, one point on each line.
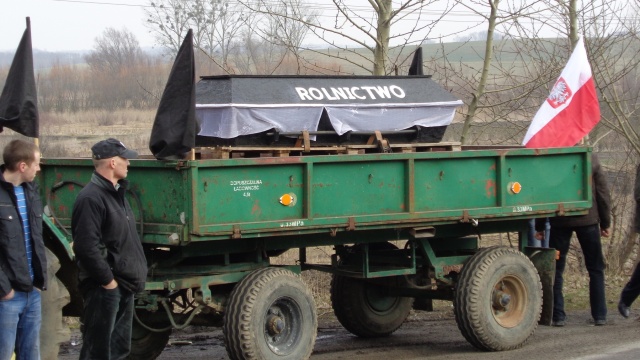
62	25
73	25
58	25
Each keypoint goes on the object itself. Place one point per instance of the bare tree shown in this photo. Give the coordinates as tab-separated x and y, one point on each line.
229	35
371	27
490	77
118	73
114	51
613	50
63	89
278	27
169	21
610	31
613	46
218	37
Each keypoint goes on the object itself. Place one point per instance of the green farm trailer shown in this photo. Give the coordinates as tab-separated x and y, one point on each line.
404	228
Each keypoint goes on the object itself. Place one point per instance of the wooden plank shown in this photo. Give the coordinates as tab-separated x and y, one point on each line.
303	148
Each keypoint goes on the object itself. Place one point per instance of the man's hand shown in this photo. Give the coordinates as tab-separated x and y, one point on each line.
9	296
605	232
539	235
112	285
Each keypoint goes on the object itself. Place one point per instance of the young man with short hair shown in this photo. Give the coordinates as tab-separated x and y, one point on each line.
22	252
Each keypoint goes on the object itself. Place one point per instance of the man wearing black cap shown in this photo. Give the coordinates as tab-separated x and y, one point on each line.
111	261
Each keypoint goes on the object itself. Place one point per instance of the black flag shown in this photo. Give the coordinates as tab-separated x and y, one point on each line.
19	98
174	128
416	63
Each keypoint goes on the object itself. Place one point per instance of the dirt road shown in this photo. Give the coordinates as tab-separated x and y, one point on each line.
432	335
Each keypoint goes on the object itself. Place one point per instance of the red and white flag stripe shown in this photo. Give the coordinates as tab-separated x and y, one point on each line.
572	108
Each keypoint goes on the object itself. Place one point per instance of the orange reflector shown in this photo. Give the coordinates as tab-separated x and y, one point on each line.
515	187
288	199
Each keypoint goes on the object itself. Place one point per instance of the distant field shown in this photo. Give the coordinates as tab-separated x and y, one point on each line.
72	135
469	53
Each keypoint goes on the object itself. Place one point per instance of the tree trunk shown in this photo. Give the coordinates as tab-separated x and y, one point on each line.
381	50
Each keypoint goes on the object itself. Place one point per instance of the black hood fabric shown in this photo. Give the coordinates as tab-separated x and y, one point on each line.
19	98
416	67
174	128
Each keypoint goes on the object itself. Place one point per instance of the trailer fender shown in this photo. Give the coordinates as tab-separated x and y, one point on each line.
60	245
544	260
57	240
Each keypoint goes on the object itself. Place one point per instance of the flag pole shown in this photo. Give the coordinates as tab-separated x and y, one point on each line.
35	139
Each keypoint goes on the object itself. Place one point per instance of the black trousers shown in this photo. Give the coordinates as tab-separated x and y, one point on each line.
107	321
632	289
589	238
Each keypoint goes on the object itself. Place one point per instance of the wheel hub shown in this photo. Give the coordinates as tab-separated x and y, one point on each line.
501	300
275	325
508	301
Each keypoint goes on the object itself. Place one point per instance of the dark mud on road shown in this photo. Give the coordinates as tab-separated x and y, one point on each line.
432	335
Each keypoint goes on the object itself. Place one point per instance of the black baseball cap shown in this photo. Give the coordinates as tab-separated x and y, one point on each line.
111	147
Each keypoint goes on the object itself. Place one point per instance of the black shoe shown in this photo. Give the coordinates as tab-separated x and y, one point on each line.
559	323
624	309
600	322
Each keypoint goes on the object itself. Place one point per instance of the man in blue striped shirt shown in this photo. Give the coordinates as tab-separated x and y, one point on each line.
22	253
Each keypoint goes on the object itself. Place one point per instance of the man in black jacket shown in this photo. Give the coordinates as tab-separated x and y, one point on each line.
22	252
632	289
111	261
588	229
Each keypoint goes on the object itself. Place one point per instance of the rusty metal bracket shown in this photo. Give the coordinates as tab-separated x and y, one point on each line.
560	211
351	224
180	165
465	216
236	232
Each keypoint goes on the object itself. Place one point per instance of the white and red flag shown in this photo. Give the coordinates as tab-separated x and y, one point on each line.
572	108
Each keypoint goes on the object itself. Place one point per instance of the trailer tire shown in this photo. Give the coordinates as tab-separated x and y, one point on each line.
271	314
498	299
147	344
364	311
53	330
360	308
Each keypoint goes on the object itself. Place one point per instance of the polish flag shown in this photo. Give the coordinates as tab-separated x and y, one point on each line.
572	108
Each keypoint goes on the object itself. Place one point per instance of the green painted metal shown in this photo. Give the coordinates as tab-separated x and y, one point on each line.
62	238
216	199
447	256
230	212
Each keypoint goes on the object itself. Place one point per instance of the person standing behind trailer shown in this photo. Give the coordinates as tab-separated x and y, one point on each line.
533	240
111	261
632	289
22	252
588	229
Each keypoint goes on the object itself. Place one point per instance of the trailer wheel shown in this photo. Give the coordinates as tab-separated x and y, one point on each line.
364	310
53	330
147	344
361	307
498	299
271	314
